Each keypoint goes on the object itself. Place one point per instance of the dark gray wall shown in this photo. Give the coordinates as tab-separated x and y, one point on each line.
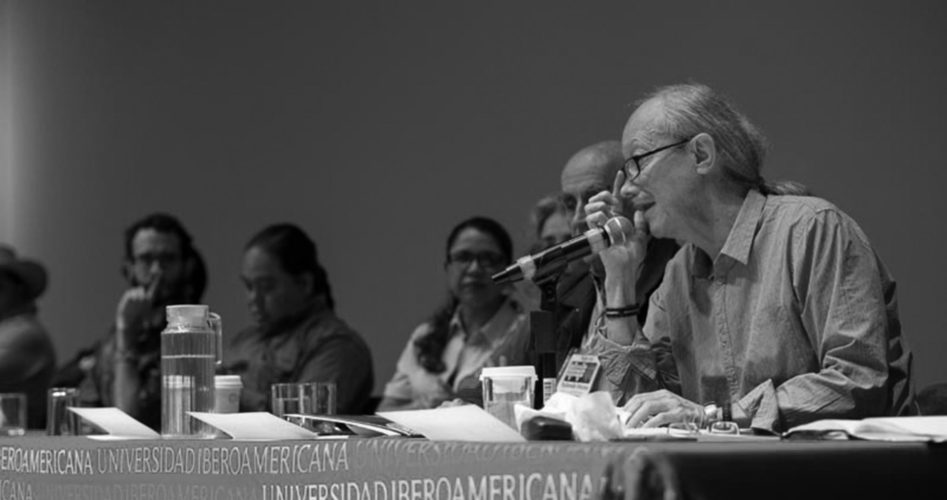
6	127
377	125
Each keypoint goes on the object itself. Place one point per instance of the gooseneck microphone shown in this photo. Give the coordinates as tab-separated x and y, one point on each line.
541	265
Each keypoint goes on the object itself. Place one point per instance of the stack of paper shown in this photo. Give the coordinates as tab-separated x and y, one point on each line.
921	429
457	423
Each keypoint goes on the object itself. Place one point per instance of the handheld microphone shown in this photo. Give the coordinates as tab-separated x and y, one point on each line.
541	265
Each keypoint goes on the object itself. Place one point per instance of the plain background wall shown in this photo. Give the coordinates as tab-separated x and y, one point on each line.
6	126
378	125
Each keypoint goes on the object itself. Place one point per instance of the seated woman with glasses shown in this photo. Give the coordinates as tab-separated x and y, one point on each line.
480	325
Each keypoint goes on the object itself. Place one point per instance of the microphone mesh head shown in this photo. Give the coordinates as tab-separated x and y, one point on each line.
619	229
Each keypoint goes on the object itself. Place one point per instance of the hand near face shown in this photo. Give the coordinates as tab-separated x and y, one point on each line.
604	206
136	305
654	409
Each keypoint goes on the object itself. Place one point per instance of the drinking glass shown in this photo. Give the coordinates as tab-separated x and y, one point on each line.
59	420
307	398
12	414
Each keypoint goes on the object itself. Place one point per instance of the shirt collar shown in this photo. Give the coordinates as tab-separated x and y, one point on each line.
494	329
740	240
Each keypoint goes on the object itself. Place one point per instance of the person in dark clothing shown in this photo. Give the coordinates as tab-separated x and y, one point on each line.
27	357
161	267
582	307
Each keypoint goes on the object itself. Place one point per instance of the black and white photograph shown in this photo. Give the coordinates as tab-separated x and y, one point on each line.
223	220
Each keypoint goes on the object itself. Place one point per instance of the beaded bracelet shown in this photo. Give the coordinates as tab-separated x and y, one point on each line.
622	312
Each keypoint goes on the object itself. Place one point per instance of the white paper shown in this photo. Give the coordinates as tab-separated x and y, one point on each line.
593	416
118	424
933	426
644	432
258	425
457	423
922	429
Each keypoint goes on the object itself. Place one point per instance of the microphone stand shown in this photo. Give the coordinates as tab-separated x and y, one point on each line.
542	333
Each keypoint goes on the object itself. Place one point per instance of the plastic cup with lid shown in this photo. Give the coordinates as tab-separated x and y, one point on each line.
506	386
227	390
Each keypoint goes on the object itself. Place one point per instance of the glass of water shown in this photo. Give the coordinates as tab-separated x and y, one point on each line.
306	398
12	414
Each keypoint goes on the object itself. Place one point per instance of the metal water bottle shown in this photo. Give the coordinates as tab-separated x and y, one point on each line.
188	358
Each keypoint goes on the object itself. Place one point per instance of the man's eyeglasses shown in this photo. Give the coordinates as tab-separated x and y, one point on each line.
146	260
633	165
486	260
